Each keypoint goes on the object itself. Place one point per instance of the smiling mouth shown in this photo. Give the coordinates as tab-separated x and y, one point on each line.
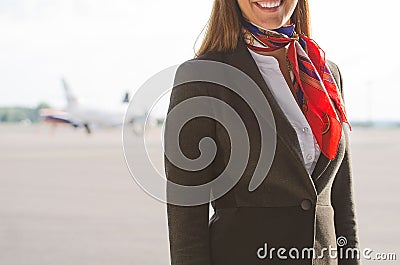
269	5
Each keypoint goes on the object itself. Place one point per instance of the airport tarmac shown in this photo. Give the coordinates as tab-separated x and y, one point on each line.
67	198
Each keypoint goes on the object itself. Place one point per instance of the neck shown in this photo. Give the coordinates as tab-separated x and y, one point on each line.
279	54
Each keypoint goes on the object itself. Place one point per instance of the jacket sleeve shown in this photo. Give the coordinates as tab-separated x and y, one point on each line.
188	225
343	199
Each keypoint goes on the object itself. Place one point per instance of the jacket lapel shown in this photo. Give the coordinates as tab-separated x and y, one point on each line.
322	164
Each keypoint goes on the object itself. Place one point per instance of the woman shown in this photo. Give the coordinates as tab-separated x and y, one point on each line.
305	204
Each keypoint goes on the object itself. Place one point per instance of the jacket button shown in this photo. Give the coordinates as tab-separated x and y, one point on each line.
306	204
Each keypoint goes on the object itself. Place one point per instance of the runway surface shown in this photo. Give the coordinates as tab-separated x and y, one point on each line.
67	198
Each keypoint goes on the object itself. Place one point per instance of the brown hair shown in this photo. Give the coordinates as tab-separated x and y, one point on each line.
224	26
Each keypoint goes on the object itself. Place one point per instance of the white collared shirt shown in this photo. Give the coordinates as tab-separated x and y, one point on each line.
270	71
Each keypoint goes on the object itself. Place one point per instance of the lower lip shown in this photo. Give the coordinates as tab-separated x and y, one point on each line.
266	9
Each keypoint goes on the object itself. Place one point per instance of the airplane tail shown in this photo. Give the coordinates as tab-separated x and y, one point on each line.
126	98
71	98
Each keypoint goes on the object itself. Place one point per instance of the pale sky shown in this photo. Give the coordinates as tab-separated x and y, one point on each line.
104	48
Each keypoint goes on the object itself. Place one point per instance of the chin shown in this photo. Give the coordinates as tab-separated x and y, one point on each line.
271	24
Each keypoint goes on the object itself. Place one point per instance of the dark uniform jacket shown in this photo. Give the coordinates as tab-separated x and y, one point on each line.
291	209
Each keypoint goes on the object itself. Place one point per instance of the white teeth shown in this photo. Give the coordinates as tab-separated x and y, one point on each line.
269	5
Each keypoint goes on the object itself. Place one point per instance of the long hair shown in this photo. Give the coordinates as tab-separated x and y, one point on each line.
223	29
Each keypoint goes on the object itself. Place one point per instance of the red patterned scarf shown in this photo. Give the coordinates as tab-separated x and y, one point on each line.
314	86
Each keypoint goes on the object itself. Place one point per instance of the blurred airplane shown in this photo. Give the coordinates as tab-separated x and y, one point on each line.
80	115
